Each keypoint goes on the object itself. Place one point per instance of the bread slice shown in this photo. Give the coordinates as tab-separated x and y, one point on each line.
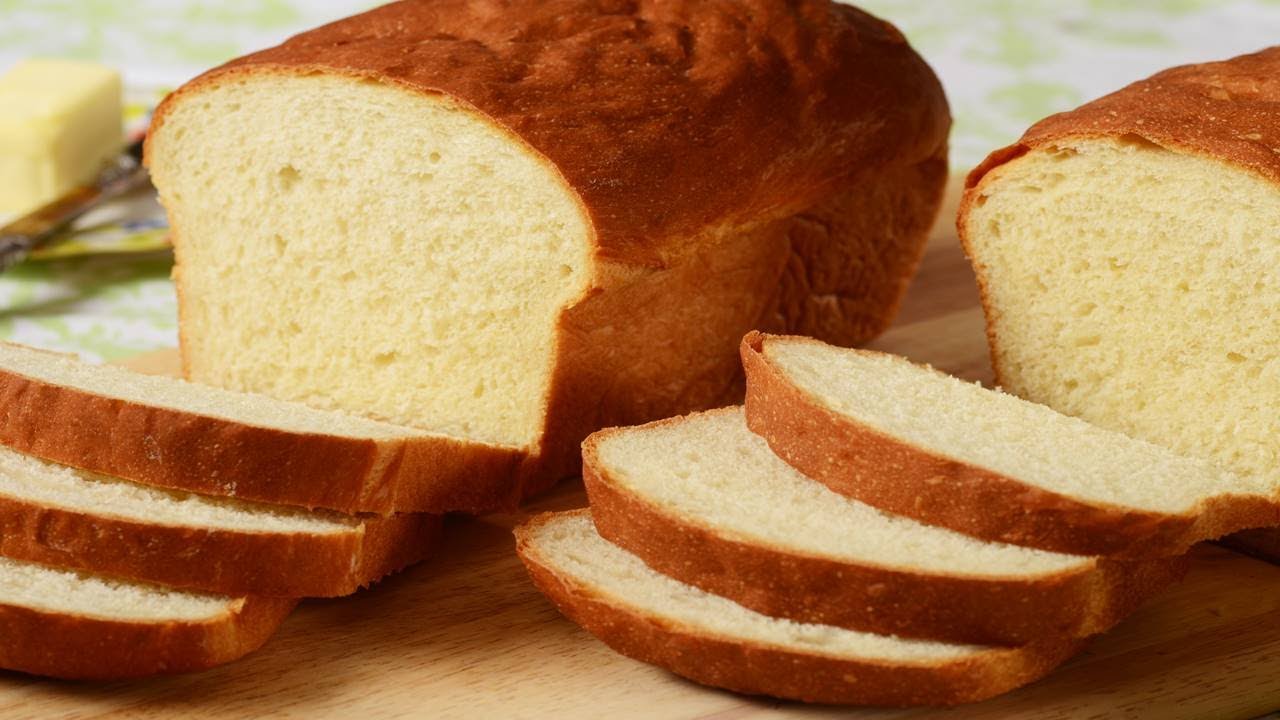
170	433
916	442
706	638
72	518
67	624
703	500
460	233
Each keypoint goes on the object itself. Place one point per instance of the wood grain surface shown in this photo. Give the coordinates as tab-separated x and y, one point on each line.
467	636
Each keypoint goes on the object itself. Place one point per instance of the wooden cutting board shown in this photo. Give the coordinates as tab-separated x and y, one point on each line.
466	635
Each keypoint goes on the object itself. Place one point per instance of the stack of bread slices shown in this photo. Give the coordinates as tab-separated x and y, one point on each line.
867	530
152	525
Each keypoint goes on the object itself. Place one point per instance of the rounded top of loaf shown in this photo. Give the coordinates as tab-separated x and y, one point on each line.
669	120
1228	109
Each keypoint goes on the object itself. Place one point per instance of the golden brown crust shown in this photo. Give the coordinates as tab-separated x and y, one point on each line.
676	352
864	596
85	648
860	462
226	562
853	255
767	670
1229	110
215	456
749	107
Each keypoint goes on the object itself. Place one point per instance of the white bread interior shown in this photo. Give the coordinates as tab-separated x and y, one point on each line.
1000	432
1136	287
441	249
68	592
711	468
28	479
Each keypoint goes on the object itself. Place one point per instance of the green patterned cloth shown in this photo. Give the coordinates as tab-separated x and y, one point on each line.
1005	64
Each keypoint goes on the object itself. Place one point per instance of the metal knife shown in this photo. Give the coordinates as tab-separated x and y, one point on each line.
120	175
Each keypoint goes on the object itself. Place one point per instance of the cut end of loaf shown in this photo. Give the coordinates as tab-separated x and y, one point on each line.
1134	286
440	249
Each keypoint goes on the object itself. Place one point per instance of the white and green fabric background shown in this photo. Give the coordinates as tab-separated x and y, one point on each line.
1005	64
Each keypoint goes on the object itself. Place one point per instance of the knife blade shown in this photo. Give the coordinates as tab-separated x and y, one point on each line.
122	174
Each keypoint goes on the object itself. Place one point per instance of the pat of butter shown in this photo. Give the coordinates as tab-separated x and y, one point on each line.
60	120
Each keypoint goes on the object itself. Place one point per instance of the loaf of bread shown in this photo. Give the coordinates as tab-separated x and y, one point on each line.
73	519
916	442
67	624
653	618
516	222
704	501
1128	264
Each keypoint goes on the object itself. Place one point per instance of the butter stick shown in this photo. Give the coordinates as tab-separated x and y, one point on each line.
59	122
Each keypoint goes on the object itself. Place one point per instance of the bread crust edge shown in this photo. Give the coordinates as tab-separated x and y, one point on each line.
77	647
210	455
850	459
224	561
861	595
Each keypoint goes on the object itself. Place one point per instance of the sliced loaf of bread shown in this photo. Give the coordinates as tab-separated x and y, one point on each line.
72	518
458	232
916	442
703	500
648	616
1129	269
170	433
1127	256
67	624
